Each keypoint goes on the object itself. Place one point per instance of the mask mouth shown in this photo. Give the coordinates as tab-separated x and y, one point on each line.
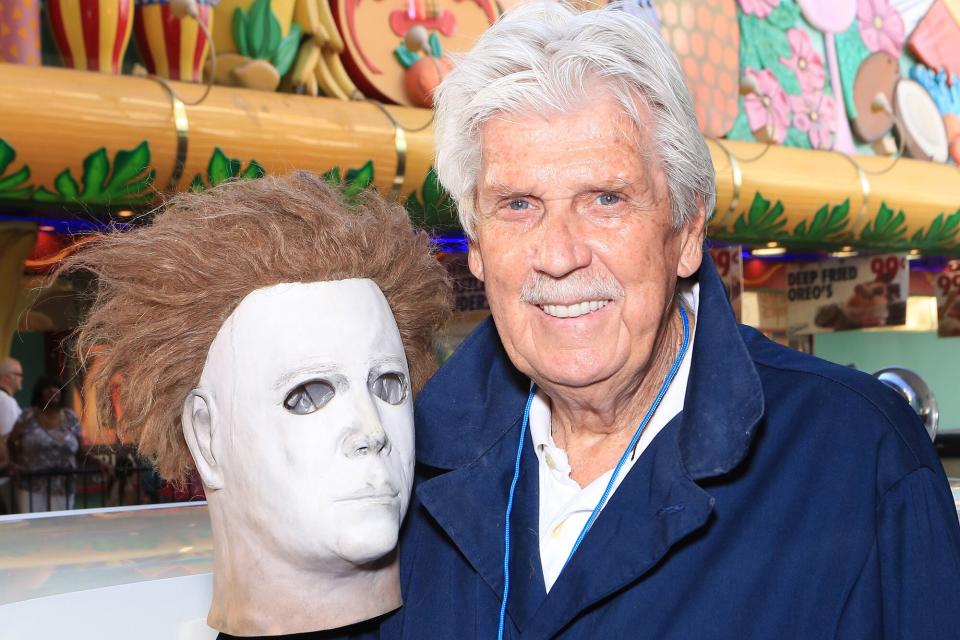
574	310
387	495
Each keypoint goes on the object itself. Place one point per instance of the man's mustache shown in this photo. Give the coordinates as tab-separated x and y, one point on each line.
579	286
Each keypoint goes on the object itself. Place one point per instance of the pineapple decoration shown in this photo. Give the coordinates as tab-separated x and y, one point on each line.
423	72
705	36
263	55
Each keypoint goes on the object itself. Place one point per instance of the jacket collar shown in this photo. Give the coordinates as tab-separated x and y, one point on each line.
468	421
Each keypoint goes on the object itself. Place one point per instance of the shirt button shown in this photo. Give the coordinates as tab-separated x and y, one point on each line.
550	462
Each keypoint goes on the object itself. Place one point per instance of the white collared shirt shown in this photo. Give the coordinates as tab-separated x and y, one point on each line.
565	506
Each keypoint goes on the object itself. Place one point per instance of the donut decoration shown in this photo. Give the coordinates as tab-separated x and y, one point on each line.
91	35
705	36
422	57
370	29
171	47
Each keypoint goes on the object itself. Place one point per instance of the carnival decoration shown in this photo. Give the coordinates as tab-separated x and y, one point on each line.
833	17
373	30
873	92
924	134
423	72
171	47
20	31
705	36
936	40
92	35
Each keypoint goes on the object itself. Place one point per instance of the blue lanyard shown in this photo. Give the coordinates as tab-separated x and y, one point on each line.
613	478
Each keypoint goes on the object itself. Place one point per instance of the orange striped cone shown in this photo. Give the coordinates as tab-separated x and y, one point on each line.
91	35
170	47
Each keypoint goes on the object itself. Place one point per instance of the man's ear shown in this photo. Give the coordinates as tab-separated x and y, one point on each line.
474	259
199	418
691	244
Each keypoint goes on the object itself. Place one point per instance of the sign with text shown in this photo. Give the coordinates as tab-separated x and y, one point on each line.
468	294
730	267
849	293
946	285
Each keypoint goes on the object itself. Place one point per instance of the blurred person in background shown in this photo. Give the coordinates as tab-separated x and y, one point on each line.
11	380
45	439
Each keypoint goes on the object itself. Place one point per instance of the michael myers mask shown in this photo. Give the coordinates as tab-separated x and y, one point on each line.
302	429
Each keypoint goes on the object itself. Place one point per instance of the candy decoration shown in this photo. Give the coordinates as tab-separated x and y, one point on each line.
92	35
20	31
936	40
170	47
831	17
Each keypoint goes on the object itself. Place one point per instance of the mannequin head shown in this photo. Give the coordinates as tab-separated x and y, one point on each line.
313	427
272	336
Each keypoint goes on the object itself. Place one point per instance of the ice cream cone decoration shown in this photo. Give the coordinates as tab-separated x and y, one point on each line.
91	35
171	47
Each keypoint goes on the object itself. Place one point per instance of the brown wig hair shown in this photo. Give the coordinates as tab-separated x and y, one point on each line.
165	289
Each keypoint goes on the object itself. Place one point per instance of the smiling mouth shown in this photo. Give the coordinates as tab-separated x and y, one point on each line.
573	310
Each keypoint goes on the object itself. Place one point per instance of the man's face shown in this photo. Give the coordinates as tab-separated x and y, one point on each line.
574	244
314	426
12	380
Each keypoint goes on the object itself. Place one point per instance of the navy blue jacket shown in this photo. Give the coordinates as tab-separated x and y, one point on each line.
791	498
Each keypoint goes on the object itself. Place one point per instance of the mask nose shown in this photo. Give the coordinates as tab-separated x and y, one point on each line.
367	438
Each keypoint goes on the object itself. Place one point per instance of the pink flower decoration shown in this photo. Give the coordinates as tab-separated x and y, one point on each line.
759	8
805	61
768	110
881	26
814	114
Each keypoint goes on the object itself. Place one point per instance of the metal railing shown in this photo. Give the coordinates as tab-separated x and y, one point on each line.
105	481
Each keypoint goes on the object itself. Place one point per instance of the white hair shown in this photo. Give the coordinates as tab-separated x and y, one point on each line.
543	56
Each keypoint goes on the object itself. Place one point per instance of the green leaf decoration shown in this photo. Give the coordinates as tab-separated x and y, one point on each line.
128	183
13	186
887	228
96	166
785	15
274	35
258	31
332	176
66	186
435	49
437	211
941	233
827	223
286	52
357	180
761	222
239	26
404	56
220	168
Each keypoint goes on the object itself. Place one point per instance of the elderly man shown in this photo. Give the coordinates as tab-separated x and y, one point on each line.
11	381
612	456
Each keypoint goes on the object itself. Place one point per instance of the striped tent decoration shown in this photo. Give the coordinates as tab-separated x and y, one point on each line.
170	47
92	35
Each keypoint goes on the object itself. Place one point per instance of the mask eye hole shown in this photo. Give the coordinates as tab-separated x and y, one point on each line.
390	387
309	397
